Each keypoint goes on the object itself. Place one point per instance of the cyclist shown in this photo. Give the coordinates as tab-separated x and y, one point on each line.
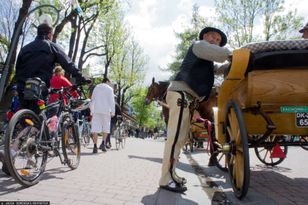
38	59
58	81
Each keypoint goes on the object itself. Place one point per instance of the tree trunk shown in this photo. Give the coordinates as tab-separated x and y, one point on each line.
60	26
23	11
72	37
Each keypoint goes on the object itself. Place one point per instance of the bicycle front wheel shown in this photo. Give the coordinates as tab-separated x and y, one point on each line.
86	133
70	142
25	153
117	137
123	141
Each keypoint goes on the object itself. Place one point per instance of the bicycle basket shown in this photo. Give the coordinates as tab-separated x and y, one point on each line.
34	88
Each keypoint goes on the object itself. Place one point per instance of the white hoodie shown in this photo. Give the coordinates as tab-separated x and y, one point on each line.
103	100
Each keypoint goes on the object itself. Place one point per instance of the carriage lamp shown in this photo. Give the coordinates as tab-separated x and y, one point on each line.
41	104
45	19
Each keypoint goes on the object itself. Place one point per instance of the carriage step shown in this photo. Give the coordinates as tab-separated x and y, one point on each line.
277	152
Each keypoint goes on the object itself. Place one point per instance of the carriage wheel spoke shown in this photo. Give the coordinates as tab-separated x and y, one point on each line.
261	150
265	155
239	164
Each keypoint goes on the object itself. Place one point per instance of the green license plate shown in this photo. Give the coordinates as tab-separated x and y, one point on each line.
294	109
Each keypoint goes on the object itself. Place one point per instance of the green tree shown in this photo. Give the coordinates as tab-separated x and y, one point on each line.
277	25
240	17
146	115
127	69
186	37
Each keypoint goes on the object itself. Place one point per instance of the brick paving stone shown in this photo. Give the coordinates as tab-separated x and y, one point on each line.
130	176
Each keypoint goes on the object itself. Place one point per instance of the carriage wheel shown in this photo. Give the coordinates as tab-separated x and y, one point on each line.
264	153
304	139
218	158
238	155
189	143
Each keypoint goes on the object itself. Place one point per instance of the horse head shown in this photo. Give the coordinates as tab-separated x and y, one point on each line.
152	93
156	91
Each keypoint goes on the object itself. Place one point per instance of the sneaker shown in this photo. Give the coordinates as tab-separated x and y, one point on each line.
95	149
174	187
108	146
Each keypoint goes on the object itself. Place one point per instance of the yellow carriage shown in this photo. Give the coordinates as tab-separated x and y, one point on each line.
263	103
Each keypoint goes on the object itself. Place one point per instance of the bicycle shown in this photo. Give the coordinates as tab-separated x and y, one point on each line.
119	133
82	119
29	140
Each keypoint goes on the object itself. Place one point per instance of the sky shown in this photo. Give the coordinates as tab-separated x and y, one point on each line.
154	23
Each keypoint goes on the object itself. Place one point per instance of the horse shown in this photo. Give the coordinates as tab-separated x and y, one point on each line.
157	92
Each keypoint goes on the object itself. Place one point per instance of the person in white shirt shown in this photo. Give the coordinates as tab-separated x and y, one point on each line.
102	108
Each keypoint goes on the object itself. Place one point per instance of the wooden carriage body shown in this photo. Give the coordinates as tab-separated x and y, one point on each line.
263	103
271	77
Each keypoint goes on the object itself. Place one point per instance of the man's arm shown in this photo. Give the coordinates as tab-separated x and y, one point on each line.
65	61
203	49
112	103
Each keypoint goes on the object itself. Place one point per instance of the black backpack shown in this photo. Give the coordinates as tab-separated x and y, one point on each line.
34	88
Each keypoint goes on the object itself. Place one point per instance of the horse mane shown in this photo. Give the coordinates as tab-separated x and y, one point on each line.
164	83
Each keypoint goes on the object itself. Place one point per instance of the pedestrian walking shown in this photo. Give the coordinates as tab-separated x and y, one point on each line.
102	108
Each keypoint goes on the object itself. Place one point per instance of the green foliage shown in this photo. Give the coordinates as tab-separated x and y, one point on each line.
146	115
190	33
240	17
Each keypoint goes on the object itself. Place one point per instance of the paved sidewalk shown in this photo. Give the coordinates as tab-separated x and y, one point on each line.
129	176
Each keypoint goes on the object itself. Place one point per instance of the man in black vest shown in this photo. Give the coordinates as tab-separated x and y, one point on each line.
194	81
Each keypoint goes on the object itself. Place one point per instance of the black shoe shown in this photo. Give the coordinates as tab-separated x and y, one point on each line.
5	169
174	187
95	149
103	148
108	146
212	161
183	181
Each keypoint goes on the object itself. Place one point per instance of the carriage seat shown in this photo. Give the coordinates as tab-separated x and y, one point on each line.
278	55
275	75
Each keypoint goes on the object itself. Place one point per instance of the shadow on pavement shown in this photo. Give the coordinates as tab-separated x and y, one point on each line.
180	165
279	187
9	185
267	186
163	197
